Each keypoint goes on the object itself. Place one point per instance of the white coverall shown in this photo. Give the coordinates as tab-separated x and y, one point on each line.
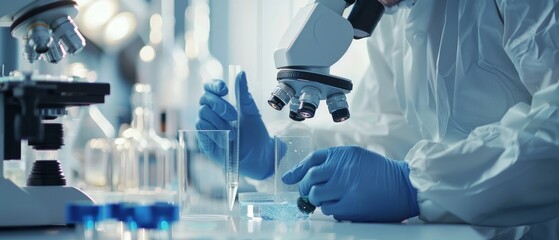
466	91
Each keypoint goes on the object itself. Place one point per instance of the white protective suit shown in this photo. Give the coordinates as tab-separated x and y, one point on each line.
467	91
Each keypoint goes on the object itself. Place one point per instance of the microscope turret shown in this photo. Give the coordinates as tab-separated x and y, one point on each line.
316	39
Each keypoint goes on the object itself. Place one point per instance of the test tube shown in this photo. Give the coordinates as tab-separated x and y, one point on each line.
85	216
232	166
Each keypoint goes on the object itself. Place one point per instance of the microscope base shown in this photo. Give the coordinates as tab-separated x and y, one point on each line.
36	206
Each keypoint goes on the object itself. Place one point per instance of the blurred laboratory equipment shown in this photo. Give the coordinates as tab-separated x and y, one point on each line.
202	65
204	195
97	162
81	125
317	38
155	156
110	165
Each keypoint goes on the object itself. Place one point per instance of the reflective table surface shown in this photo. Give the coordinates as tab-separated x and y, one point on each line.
318	227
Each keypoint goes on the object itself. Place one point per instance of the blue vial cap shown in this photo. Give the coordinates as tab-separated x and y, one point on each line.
165	212
81	212
143	215
156	216
125	212
111	210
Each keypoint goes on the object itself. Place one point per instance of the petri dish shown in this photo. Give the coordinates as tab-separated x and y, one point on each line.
270	206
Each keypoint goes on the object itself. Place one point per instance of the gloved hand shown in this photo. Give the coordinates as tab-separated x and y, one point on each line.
355	184
256	152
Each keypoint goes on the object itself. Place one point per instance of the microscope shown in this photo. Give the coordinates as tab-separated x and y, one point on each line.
30	105
316	39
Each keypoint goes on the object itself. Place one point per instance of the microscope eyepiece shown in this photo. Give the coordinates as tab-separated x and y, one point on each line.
281	96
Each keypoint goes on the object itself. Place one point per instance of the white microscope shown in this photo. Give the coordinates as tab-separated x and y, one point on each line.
29	106
316	39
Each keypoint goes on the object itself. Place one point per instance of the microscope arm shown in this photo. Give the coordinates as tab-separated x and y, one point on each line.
317	37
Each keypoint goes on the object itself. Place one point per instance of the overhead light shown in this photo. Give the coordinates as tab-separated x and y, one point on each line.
156	21
98	13
156	29
191	48
155	36
147	53
119	27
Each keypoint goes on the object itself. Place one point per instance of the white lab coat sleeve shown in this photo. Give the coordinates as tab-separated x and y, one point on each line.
503	174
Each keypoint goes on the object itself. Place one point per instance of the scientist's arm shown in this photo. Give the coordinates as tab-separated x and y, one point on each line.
256	147
503	174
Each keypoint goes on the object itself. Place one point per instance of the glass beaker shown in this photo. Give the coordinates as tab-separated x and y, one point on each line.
203	186
289	151
97	164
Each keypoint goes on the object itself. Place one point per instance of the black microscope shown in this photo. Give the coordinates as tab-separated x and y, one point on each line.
30	105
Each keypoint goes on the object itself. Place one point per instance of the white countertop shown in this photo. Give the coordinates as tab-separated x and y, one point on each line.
317	228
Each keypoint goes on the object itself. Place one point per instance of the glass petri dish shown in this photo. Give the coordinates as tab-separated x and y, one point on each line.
270	206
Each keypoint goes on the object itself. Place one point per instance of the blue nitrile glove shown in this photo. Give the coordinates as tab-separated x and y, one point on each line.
355	184
256	147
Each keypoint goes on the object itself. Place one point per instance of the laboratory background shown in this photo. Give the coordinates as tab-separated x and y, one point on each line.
173	46
107	125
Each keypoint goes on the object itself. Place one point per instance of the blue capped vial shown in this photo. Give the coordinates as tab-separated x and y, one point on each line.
157	219
85	216
125	212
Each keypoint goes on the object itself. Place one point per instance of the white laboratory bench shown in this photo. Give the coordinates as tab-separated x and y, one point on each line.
318	227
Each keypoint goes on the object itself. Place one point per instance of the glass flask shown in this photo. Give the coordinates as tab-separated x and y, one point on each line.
155	156
111	165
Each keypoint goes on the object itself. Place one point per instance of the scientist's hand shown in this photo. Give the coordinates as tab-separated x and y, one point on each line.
256	147
355	184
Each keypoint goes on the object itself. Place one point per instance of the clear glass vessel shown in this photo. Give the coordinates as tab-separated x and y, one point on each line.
156	157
